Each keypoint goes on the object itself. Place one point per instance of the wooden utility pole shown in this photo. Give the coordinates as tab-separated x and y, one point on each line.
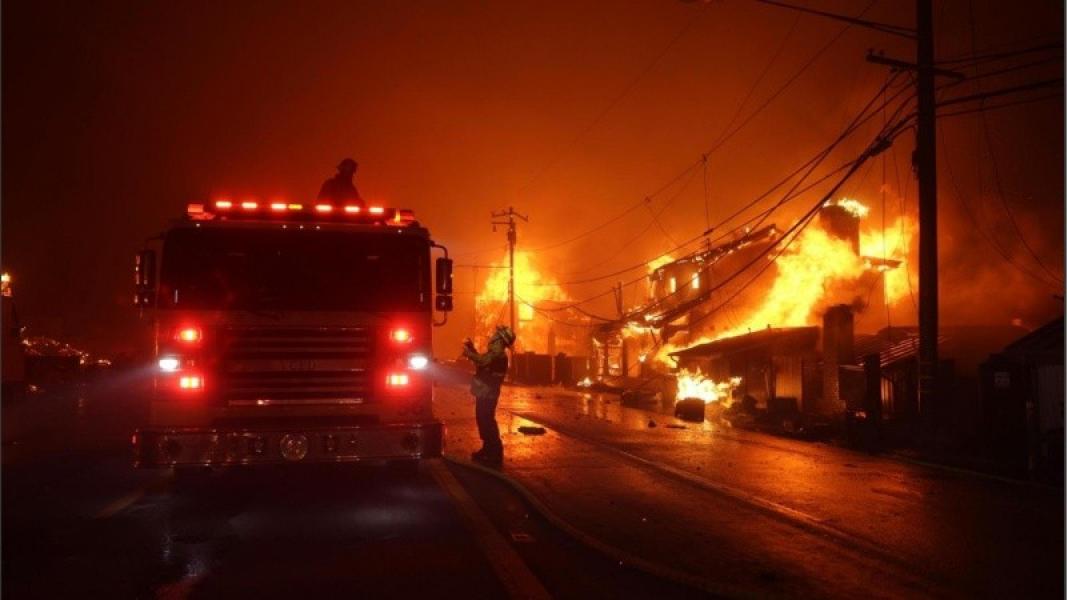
926	172
925	162
510	215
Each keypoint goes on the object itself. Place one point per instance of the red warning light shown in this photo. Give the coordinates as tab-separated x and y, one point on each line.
401	335
189	335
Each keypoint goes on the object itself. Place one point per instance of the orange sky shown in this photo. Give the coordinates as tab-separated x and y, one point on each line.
115	114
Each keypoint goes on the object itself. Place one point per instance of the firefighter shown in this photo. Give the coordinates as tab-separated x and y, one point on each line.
491	368
340	188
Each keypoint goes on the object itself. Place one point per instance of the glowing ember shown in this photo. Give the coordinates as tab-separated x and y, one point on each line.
855	207
586	382
693	384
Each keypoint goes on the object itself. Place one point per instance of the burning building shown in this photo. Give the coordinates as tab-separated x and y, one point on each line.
546	330
786	328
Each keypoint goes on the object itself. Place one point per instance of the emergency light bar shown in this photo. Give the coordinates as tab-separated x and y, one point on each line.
324	212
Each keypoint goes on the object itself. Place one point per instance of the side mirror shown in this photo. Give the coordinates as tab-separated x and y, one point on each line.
443	303
145	269
145	278
444	276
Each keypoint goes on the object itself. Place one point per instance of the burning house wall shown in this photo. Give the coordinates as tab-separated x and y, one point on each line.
832	268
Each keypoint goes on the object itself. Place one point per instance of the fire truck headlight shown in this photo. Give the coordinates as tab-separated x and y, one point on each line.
191	382
418	362
169	364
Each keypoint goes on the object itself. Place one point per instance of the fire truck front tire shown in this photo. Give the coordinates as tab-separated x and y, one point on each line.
190	478
404	466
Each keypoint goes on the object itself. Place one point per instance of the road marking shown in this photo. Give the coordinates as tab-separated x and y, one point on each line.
115	507
506	562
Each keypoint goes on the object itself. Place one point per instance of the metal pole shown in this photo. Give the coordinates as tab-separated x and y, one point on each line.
926	171
512	238
511	268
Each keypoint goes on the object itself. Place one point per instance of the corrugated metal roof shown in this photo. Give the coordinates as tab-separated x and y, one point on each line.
786	338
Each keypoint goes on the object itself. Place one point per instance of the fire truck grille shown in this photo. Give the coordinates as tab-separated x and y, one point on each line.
281	366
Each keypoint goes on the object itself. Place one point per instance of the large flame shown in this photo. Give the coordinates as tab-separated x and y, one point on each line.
818	269
693	384
807	270
893	244
532	288
656	263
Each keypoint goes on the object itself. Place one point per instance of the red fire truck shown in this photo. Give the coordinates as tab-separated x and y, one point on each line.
285	332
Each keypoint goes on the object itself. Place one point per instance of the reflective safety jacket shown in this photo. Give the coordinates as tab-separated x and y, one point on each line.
490	368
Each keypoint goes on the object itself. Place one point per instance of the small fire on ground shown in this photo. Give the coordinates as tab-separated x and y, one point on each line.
693	384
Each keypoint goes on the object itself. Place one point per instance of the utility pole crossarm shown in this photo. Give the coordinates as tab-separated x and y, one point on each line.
904	65
925	159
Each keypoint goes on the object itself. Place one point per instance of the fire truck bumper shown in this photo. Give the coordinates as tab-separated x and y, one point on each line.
220	447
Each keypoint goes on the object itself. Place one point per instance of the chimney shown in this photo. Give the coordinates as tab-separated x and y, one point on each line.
837	350
841	224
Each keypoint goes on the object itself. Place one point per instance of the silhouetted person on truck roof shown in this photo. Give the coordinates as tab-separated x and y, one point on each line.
340	189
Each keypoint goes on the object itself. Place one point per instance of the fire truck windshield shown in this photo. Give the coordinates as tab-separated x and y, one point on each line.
253	269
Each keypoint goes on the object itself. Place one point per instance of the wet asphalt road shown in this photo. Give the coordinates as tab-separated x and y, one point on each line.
78	521
726	507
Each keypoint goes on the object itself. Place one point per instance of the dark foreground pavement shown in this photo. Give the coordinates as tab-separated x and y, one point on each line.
78	521
750	513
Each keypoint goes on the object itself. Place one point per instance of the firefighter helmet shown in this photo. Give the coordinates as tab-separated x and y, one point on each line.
505	334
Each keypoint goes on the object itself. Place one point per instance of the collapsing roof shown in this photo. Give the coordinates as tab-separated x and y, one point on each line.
784	340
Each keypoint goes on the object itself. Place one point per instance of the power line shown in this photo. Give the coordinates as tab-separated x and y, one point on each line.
723	138
861	118
704	159
755	84
1003	71
883	27
626	244
996	171
1025	87
615	101
967	210
882	142
898	128
984	108
976	59
789	82
1007	207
